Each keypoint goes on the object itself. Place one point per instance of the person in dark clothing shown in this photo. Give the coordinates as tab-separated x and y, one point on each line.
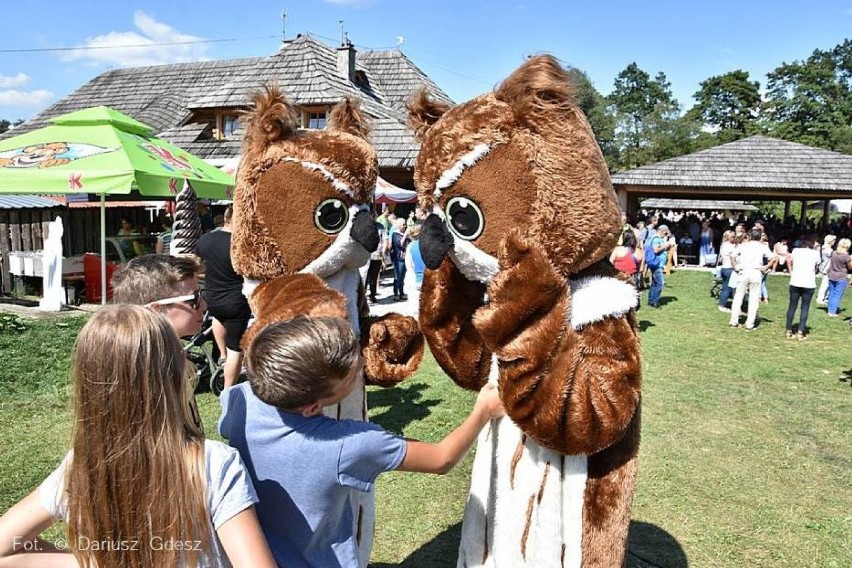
376	262
398	242
223	292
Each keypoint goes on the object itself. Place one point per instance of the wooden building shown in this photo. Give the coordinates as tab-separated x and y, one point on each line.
197	105
758	168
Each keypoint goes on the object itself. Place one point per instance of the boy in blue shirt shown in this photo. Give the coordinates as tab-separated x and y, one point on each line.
308	468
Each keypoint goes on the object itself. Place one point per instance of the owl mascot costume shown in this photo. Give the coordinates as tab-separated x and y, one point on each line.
302	229
518	291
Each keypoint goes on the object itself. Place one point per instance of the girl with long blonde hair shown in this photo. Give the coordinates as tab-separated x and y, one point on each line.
141	486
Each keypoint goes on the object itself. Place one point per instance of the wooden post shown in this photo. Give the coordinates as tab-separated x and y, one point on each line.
35	228
826	214
46	218
804	214
15	230
5	277
786	210
26	232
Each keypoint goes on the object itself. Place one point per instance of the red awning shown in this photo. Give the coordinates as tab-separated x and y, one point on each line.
388	193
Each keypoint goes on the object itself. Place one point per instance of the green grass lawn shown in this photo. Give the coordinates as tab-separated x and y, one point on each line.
745	457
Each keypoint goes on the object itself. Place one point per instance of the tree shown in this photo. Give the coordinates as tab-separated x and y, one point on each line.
6	125
811	101
594	105
648	126
730	104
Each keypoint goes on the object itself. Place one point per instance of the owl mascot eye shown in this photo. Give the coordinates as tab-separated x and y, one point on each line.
301	230
518	291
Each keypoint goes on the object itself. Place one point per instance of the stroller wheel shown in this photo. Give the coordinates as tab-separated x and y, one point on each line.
217	381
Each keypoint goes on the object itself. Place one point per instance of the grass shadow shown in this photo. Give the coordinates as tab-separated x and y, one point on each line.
440	552
649	546
645	324
404	404
846	377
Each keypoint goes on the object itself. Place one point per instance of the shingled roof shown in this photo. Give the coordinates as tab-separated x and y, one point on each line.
167	97
690	204
752	167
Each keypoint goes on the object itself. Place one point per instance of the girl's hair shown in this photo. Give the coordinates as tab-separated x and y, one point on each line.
299	361
628	239
728	236
843	245
829	239
137	472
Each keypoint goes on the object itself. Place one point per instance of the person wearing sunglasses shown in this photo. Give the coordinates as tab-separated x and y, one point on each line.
166	284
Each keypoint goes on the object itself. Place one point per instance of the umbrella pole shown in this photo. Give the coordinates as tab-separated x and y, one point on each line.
103	250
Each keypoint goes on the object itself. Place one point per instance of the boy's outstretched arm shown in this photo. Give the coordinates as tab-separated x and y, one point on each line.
440	458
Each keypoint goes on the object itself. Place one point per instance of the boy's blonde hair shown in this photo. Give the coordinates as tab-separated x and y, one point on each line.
299	361
152	277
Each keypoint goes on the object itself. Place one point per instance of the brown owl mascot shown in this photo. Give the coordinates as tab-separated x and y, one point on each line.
518	292
302	229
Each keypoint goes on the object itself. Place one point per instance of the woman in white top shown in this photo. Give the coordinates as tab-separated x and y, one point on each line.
803	265
141	486
726	252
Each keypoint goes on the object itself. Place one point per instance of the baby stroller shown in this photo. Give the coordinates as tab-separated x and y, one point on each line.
202	351
717	283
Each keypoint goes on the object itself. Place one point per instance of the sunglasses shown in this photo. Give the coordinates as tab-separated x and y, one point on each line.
194	300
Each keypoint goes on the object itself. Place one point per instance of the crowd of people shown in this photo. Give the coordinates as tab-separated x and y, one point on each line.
399	250
742	252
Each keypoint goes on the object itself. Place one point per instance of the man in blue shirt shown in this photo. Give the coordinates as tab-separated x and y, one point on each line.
656	262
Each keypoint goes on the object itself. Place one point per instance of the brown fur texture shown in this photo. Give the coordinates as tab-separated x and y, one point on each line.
423	112
392	346
608	498
286	297
551	217
573	391
448	301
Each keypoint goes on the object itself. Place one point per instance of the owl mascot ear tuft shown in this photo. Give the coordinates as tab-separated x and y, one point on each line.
346	116
272	118
537	89
423	112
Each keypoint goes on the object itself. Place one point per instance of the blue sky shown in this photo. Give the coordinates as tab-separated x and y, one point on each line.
466	47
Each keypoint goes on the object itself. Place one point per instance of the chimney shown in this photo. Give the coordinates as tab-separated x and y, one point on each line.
346	60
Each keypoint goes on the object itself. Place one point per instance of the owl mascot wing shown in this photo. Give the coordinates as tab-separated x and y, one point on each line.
517	291
302	229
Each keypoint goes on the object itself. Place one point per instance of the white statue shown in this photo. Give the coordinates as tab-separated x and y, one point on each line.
54	295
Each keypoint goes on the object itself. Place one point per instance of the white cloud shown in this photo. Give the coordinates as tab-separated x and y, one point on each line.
18	80
31	99
121	48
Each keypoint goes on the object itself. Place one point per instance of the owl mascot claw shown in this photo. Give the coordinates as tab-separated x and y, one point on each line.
518	292
302	229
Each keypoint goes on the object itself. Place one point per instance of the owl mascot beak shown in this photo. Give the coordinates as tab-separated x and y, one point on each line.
435	241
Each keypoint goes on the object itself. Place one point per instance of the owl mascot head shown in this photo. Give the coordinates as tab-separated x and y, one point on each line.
303	228
518	291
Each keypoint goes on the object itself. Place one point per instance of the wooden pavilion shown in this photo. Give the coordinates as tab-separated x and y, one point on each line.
758	168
